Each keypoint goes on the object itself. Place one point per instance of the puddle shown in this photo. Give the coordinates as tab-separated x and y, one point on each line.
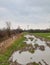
35	40
38	56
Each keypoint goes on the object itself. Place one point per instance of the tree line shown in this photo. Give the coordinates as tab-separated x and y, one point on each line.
8	32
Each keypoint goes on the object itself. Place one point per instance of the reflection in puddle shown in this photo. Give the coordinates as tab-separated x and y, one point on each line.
35	40
38	56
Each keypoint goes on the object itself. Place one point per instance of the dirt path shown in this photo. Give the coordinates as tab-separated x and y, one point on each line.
5	44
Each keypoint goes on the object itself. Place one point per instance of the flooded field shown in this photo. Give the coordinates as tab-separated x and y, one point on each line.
41	54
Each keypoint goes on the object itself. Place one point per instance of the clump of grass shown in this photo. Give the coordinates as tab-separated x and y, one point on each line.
31	38
33	63
31	50
36	45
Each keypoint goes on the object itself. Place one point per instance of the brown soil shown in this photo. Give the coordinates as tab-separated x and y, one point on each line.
33	63
14	63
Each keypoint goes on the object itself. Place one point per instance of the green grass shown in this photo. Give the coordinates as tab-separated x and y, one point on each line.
44	35
17	44
34	63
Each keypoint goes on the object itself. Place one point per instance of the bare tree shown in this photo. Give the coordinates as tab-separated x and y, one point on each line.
27	26
8	25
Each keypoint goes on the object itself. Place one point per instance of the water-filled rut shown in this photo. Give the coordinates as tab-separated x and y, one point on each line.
41	54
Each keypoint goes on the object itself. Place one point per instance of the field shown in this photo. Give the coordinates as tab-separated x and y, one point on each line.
43	35
17	44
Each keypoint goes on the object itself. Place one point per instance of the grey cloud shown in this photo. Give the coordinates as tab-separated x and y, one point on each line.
28	11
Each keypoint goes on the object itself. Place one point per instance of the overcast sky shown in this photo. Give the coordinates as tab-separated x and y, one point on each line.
35	13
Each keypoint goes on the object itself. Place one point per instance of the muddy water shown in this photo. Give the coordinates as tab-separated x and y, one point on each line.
26	57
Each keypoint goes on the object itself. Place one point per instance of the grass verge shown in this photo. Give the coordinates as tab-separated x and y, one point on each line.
17	44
